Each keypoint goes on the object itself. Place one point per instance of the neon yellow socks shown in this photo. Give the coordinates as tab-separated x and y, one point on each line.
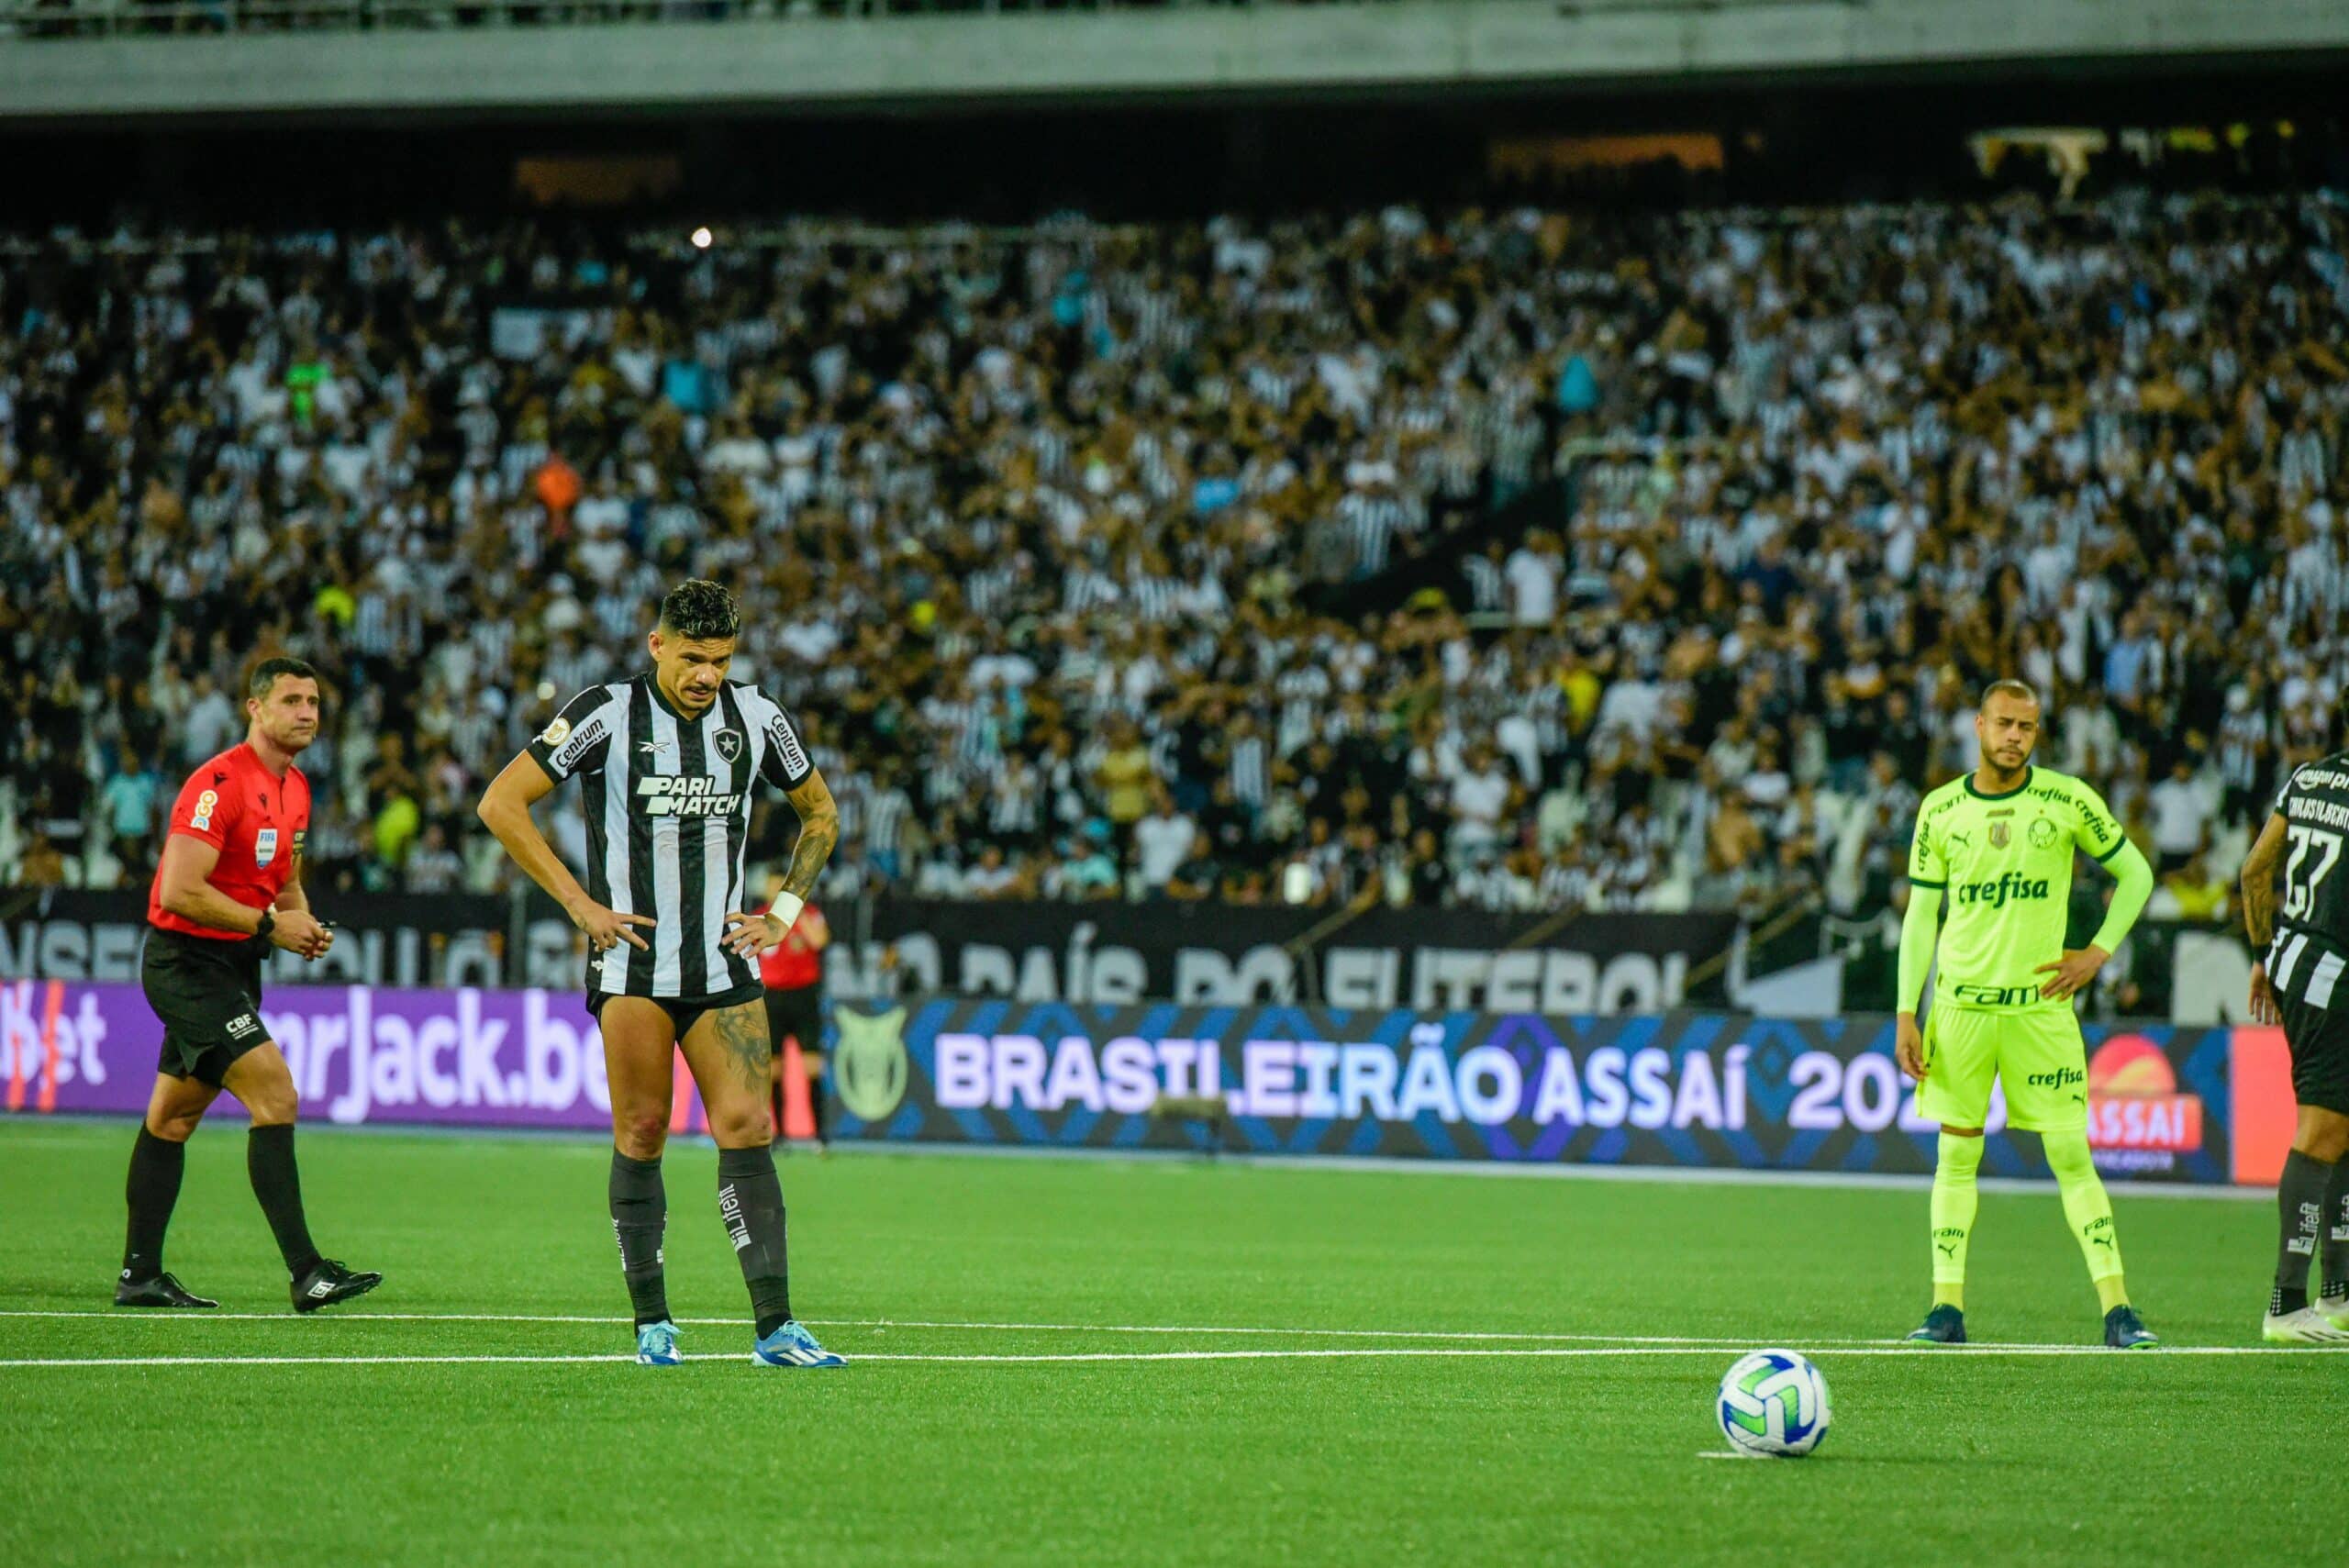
1956	1164
2087	1208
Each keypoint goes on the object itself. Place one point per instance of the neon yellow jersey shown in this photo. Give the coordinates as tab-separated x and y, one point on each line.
2006	863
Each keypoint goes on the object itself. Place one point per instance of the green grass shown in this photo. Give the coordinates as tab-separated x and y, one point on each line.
1391	1457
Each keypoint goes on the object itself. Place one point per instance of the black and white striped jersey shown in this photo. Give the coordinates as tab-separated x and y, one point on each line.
2312	946
667	800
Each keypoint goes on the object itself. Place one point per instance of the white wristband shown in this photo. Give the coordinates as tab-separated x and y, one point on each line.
787	909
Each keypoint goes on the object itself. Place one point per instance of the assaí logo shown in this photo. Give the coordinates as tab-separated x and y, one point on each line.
2009	889
2137	1119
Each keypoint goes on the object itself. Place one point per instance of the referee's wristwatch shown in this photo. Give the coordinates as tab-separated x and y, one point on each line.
268	924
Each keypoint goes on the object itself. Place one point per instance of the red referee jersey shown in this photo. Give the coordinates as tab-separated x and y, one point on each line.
253	818
792	964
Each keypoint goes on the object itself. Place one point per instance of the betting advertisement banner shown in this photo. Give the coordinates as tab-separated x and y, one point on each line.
1699	1089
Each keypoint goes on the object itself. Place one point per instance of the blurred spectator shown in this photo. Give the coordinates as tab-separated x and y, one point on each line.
1819	476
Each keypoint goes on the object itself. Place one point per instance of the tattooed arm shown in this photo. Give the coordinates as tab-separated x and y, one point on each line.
820	829
2259	885
2259	915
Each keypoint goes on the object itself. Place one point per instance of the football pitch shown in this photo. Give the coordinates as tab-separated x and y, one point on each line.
1127	1360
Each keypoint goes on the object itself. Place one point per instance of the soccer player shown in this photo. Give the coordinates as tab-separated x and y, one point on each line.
667	760
1998	842
230	887
2293	983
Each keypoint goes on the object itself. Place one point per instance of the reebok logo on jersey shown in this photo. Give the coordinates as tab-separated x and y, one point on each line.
2009	889
700	796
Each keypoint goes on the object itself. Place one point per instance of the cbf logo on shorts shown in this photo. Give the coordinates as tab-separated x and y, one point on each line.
242	1025
264	846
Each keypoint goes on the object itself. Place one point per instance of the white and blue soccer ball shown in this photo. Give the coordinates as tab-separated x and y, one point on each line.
1773	1406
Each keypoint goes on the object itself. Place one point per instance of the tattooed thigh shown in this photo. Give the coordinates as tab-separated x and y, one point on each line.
731	1043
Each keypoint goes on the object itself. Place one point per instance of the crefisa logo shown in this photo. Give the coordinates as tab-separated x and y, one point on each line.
2137	1119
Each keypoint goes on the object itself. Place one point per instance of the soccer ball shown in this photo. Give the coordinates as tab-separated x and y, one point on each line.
1772	1404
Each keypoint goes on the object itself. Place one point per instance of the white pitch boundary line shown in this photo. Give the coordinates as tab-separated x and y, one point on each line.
87	1314
1546	1353
1707	1344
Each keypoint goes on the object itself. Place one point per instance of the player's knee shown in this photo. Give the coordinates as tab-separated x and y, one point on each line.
174	1127
2323	1135
740	1128
640	1135
274	1104
2069	1154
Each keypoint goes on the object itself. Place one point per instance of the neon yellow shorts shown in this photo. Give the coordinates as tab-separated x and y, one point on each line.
2036	1054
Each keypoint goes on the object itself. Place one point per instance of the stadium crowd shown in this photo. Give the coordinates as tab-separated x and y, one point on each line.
1033	529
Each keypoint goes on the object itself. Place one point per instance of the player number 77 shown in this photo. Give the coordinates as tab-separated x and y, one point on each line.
2300	897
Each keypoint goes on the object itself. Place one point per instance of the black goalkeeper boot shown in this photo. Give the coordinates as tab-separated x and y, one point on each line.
162	1290
327	1282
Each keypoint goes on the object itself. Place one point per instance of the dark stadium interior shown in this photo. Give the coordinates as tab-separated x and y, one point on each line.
1889	140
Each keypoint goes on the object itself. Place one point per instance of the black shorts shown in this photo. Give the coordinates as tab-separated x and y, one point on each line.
798	1014
2320	1041
683	1011
208	995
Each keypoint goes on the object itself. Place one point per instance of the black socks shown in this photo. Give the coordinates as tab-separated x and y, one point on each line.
750	1200
2301	1206
640	1214
269	1161
2336	1240
156	1166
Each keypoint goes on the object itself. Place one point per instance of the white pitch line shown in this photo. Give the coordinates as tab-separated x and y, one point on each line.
1541	1353
78	1314
1690	1342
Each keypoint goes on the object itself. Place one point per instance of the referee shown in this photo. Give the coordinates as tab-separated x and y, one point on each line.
230	887
793	973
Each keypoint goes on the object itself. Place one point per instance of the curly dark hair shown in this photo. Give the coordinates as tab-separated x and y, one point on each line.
700	610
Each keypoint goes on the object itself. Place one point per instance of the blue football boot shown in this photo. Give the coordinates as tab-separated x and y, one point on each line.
793	1345
656	1345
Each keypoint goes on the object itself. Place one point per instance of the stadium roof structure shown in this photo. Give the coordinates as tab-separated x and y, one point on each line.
98	61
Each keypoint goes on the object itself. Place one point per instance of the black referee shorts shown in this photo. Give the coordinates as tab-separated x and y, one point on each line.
2320	1041
208	995
798	1012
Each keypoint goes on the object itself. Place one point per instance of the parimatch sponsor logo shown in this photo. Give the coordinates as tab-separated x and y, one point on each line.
700	796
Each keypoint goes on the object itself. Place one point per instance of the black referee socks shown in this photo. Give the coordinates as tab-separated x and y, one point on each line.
156	1166
277	1183
640	1214
749	1199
